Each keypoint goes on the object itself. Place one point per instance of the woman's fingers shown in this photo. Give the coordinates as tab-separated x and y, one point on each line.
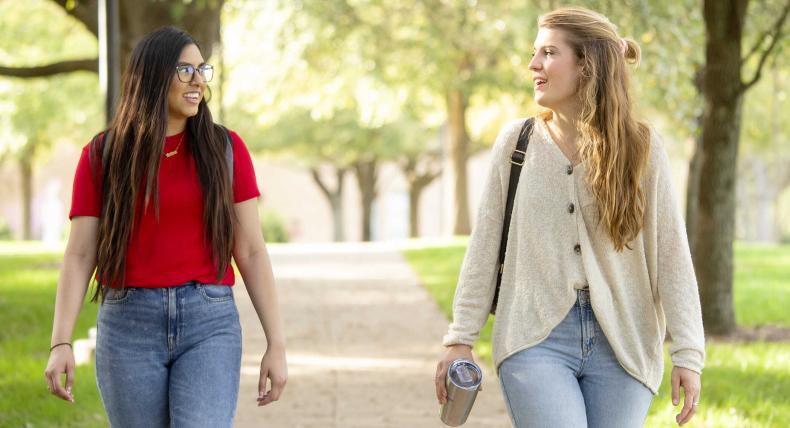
264	376
70	381
50	388
53	383
690	382
689	407
276	381
278	385
439	379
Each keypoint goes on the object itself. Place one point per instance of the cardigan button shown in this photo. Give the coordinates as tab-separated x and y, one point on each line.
571	208
577	249
569	169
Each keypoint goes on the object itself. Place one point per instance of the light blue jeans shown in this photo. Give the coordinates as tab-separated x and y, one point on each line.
572	379
169	357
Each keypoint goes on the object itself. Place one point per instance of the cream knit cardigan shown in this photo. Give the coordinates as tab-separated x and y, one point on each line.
637	294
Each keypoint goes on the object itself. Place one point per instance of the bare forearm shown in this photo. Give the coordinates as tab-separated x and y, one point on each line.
256	270
72	286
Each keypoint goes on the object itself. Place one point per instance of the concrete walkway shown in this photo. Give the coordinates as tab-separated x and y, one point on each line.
363	339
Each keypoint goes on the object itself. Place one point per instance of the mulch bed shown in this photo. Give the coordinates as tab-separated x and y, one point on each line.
763	333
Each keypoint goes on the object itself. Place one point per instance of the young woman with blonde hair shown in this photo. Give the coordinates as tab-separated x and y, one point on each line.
597	266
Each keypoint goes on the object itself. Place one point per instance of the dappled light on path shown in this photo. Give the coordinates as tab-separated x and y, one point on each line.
363	338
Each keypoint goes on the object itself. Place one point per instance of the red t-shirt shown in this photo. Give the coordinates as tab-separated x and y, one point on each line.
172	251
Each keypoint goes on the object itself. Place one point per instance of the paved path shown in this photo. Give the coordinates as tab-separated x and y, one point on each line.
363	337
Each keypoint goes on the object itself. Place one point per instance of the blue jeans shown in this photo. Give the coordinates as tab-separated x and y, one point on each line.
572	379
169	357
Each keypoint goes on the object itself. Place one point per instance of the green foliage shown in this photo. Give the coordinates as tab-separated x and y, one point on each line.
743	384
5	230
273	227
765	130
37	112
381	59
341	139
28	277
37	32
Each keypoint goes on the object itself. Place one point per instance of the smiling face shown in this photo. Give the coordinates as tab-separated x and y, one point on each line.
183	98
555	70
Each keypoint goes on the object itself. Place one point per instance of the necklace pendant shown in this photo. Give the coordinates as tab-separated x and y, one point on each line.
171	154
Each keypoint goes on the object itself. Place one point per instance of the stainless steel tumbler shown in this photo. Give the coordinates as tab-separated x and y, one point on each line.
463	382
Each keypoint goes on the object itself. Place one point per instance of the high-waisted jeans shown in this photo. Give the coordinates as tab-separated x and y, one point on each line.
572	379
169	357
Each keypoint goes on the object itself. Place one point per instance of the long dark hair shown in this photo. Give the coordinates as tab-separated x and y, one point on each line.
130	152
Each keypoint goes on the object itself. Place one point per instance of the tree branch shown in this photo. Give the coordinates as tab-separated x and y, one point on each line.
85	11
425	179
52	69
776	33
757	45
320	183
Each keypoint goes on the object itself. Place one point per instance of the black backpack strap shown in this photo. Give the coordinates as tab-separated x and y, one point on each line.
229	153
516	162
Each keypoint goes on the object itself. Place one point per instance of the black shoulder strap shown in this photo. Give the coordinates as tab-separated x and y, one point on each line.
516	162
229	153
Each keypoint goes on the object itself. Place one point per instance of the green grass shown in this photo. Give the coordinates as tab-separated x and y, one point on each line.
28	277
762	285
744	385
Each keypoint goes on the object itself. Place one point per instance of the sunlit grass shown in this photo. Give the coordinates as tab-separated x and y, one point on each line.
762	285
28	278
744	385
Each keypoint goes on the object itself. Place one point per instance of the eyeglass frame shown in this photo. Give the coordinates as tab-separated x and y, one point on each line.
192	69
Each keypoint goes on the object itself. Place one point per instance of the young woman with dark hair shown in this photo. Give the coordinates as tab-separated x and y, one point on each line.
597	266
163	199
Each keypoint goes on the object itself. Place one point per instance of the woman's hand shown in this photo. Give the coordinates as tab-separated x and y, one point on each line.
690	382
275	369
61	360
453	353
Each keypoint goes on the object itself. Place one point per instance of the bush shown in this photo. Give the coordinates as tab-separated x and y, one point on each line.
273	226
5	230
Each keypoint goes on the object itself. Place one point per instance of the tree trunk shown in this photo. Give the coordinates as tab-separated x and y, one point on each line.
692	190
416	186
26	175
414	211
367	173
715	219
139	17
335	199
417	182
457	147
200	18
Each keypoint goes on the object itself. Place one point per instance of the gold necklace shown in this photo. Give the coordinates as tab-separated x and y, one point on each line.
174	152
571	154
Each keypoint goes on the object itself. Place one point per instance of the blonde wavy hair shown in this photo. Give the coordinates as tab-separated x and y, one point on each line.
613	145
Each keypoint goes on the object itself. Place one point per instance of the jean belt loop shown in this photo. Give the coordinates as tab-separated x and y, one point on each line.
584	297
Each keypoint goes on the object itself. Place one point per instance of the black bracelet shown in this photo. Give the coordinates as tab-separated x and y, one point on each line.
58	344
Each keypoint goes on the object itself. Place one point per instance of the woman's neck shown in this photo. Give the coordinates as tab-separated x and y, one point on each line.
175	126
563	124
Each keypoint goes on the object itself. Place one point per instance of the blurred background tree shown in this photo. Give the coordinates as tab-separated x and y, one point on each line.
344	88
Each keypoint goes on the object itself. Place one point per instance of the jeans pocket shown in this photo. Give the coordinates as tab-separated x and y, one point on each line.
215	293
116	296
